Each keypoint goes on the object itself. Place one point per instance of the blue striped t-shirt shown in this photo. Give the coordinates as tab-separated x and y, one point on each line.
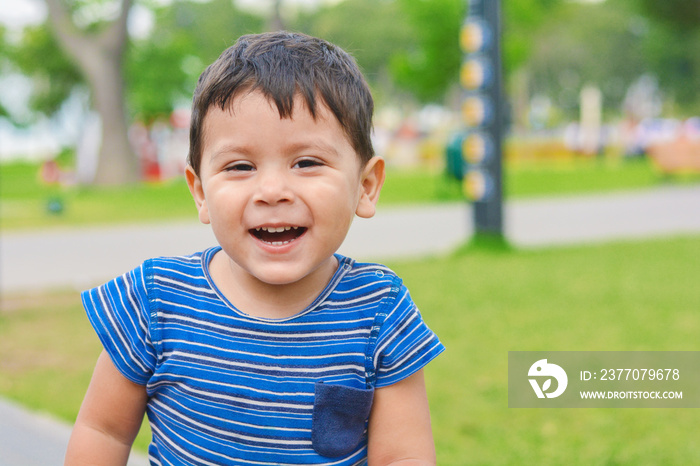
228	388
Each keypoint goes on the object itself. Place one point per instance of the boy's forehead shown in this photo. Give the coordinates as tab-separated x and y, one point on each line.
254	102
299	103
251	104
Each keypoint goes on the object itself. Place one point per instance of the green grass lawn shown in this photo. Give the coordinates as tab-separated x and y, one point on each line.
614	297
24	200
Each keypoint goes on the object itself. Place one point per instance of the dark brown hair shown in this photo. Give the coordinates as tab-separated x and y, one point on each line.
284	65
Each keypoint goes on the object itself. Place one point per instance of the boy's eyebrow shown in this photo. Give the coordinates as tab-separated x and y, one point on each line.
321	145
242	149
229	148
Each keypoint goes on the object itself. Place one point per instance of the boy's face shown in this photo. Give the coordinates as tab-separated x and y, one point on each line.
280	194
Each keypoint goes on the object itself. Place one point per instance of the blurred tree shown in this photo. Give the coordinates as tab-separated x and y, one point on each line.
521	19
610	45
3	63
430	67
53	75
674	59
97	49
671	43
683	14
162	69
275	21
569	53
372	31
145	78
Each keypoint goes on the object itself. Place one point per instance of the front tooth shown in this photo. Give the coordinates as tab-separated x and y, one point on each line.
275	229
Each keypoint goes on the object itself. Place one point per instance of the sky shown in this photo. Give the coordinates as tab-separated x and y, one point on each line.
21	12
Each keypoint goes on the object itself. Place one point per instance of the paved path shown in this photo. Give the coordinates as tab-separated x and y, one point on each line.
79	258
31	439
89	256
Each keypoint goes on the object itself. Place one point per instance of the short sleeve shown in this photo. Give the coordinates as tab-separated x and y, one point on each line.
119	311
405	343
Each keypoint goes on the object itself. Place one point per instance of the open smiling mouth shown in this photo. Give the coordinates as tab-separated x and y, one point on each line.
277	236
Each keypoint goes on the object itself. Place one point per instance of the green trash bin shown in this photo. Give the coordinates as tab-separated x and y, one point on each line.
455	164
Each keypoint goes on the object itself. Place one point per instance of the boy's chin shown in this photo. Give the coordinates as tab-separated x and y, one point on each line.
291	275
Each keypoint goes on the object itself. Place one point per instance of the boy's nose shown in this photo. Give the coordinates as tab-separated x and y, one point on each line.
273	188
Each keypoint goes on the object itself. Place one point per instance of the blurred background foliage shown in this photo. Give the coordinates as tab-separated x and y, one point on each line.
53	75
407	48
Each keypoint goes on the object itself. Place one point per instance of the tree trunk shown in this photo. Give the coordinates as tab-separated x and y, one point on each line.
117	163
275	21
99	57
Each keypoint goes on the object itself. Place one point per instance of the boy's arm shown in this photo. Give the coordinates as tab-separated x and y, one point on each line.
399	425
109	418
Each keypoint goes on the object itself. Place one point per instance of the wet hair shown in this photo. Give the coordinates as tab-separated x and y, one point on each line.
284	66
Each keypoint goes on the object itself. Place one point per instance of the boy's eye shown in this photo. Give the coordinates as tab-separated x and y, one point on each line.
240	167
308	163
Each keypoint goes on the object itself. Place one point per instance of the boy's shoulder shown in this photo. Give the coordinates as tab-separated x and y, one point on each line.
194	260
369	272
359	267
185	260
184	268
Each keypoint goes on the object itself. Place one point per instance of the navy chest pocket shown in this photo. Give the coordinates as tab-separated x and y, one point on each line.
339	418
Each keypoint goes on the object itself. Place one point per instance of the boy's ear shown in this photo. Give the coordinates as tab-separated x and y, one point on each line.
371	184
197	191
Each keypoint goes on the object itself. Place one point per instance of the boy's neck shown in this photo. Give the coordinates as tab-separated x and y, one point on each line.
259	299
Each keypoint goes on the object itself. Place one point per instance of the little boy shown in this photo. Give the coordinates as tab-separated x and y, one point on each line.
269	348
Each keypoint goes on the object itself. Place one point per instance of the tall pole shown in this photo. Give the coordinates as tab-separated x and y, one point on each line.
482	114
